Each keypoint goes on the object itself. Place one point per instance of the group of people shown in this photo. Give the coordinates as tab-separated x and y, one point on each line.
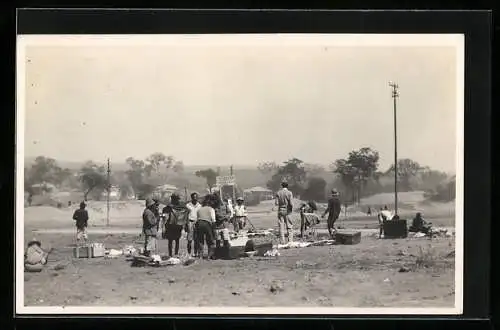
204	223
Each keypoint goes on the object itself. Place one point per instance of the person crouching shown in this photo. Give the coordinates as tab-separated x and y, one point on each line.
35	258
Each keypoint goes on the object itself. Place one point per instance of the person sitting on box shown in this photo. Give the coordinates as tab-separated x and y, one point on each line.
240	215
81	216
35	258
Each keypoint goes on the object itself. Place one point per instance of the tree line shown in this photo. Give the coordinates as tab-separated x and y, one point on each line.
358	175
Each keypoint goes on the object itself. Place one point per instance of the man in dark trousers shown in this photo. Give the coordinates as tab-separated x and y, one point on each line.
81	217
333	211
149	228
176	219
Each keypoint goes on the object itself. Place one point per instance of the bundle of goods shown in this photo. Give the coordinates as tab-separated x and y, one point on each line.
347	237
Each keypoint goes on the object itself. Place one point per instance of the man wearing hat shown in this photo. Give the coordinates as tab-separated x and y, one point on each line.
285	206
176	219
240	215
34	257
333	211
149	228
81	216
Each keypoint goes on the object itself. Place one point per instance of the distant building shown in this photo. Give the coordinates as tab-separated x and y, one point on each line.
43	188
114	193
261	193
164	191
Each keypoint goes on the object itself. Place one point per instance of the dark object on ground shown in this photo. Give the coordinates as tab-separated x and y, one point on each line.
403	270
347	237
395	229
250	246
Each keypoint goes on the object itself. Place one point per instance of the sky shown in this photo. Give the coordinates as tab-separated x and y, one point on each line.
239	103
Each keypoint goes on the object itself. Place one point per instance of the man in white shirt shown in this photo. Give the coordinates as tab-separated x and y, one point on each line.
193	206
240	215
383	216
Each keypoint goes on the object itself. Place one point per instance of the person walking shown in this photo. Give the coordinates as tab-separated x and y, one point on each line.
284	199
149	228
204	226
193	206
333	210
81	217
176	218
240	215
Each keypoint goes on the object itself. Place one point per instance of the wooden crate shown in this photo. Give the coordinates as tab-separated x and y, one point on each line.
395	229
82	251
347	237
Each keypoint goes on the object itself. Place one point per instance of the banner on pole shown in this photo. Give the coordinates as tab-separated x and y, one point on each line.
226	180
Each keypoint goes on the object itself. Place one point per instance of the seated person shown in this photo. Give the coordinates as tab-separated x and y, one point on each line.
420	225
34	258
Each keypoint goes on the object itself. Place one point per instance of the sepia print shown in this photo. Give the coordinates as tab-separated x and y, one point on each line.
240	174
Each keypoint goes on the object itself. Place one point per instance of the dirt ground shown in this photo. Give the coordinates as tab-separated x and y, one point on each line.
375	273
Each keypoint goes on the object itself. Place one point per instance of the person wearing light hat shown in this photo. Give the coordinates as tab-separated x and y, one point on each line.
81	217
35	258
240	215
333	210
149	228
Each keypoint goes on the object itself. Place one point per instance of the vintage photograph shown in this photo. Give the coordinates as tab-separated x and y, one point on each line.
240	174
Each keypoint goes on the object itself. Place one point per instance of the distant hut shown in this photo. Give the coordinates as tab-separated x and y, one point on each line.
260	193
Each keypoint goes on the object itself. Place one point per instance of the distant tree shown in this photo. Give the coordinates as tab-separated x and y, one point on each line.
209	175
315	189
93	178
135	173
444	192
356	171
314	169
44	170
267	167
178	167
291	171
407	170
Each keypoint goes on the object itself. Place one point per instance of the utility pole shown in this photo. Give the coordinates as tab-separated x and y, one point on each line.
107	196
234	192
395	95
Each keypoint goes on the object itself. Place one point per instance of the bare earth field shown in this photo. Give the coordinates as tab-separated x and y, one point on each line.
413	272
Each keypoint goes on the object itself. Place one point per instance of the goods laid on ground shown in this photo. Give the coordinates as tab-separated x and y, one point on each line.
347	237
90	250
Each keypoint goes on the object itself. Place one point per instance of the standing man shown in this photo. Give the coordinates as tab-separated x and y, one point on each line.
240	215
149	228
81	217
193	206
204	226
176	219
284	202
223	214
333	211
